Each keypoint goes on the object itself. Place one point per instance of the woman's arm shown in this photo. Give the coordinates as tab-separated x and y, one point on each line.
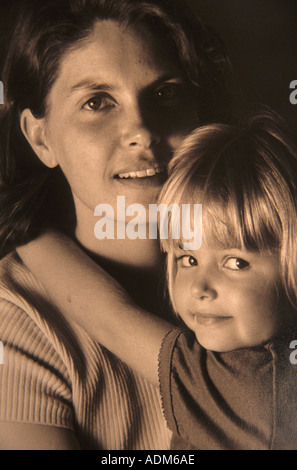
86	294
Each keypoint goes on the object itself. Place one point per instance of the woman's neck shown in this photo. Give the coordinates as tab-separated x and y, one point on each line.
145	284
139	253
135	264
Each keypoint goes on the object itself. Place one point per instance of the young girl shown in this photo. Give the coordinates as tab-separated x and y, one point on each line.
226	381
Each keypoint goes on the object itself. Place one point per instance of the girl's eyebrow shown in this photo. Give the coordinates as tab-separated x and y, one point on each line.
177	246
238	249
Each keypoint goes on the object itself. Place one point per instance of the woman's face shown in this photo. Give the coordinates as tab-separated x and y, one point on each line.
118	109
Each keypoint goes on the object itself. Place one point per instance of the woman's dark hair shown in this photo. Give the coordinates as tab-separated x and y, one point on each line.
41	34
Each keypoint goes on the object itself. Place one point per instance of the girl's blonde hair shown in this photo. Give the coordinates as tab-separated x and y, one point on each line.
247	176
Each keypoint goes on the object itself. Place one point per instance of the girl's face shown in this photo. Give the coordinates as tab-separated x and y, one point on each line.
118	109
227	296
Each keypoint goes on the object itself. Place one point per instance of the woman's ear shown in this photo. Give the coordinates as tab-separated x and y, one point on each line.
33	130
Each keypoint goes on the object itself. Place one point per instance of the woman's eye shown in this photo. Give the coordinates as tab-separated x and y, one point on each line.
187	261
235	264
98	103
168	94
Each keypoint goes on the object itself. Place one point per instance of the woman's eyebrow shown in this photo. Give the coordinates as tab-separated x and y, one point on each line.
178	77
90	85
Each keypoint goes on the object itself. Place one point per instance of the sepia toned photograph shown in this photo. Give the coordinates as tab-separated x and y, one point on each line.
148	227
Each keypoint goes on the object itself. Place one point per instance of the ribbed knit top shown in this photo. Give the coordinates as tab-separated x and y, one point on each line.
55	374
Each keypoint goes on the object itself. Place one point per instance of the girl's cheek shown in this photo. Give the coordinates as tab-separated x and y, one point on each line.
177	291
181	293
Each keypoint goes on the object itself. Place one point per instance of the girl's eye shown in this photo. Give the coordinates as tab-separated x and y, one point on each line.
187	261
235	264
98	103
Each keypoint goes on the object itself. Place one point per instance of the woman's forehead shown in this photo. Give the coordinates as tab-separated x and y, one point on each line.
113	55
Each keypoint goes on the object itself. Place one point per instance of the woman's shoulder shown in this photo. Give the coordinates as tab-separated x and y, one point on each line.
12	276
29	321
24	311
15	278
11	263
21	296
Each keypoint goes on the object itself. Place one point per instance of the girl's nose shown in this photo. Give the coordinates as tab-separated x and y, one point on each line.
136	133
203	289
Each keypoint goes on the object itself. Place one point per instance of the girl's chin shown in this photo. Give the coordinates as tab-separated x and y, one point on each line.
219	345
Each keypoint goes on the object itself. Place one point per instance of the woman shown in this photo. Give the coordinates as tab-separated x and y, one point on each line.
99	93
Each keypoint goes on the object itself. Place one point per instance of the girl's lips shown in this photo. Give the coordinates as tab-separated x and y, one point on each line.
208	319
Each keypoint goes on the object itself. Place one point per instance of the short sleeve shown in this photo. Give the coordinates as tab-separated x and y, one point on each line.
217	400
34	386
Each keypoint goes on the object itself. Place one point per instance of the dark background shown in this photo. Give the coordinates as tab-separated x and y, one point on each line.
261	40
260	37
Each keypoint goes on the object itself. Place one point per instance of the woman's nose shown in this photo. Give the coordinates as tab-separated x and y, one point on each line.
136	132
203	289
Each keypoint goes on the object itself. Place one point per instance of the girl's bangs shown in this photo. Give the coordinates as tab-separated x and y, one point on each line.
234	217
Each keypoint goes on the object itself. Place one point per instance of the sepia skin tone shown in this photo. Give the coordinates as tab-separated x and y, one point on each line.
120	104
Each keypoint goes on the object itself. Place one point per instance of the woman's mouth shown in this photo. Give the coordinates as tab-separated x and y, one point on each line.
146	173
